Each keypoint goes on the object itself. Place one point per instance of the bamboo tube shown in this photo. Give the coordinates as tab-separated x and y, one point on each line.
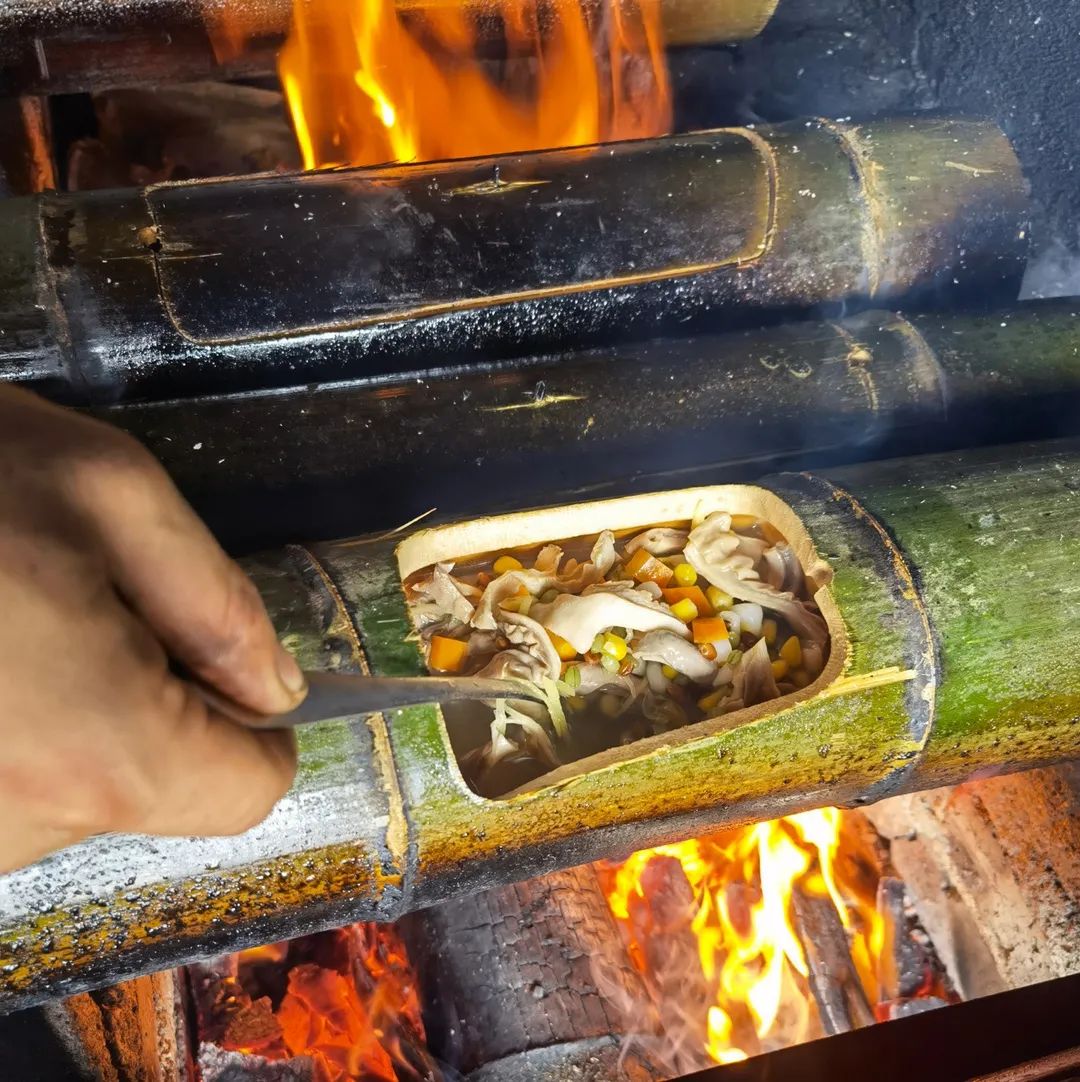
62	46
954	609
185	289
874	385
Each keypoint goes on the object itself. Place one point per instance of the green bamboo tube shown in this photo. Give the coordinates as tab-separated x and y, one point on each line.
955	615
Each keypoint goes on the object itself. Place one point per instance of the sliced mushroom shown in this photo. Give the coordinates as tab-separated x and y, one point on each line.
441	595
529	741
659	541
548	559
670	649
580	618
596	678
716	569
514	664
782	569
525	632
754	681
573	579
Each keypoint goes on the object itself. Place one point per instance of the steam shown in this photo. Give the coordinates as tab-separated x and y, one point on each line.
1054	272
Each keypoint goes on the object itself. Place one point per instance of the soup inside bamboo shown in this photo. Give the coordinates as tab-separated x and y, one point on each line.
628	635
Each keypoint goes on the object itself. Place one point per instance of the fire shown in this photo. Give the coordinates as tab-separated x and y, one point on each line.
349	1004
751	955
374	81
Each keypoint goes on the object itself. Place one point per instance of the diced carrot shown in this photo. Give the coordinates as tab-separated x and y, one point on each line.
447	655
565	651
645	567
693	593
709	629
707	650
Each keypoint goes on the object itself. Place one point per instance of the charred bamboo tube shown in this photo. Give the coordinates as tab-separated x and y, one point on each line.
954	610
276	280
872	386
62	46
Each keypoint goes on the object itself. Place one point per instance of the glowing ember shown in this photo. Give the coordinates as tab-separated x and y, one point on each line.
371	81
349	1005
741	918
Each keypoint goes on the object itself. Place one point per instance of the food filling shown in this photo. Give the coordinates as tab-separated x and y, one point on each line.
625	637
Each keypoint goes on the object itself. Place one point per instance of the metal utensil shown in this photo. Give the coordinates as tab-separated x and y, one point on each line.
339	695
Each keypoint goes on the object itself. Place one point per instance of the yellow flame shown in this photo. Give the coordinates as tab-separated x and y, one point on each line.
367	83
751	954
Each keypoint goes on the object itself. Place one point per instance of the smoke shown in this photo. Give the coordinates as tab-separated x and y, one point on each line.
1053	272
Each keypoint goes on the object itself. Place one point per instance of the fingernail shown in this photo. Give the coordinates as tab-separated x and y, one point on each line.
289	672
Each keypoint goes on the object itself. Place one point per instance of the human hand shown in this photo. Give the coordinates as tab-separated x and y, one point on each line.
105	575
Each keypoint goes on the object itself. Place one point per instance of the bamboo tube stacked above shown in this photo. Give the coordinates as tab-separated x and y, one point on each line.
182	290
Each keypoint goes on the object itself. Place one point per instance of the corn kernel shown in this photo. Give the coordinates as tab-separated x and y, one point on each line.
614	647
685	575
711	701
769	631
565	651
779	669
718	599
506	563
801	678
685	610
791	652
669	672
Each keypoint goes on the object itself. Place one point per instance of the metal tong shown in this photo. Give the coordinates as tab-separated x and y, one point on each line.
339	695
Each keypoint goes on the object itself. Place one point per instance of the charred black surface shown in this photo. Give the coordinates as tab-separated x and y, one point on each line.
273	281
1014	61
368	455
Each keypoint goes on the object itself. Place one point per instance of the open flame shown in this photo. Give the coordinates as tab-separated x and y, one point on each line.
742	940
751	954
374	81
349	1004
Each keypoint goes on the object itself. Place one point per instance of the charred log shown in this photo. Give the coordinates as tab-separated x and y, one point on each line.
834	981
270	281
510	983
1020	833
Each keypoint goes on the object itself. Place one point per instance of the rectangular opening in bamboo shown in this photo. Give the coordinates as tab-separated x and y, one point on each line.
475	544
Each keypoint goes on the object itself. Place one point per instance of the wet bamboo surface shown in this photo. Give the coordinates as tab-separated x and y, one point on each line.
952	573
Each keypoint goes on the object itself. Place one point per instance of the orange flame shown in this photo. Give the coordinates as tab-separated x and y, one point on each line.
371	81
351	1011
749	949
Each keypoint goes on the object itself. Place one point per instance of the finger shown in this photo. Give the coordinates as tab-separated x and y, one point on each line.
213	776
200	604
